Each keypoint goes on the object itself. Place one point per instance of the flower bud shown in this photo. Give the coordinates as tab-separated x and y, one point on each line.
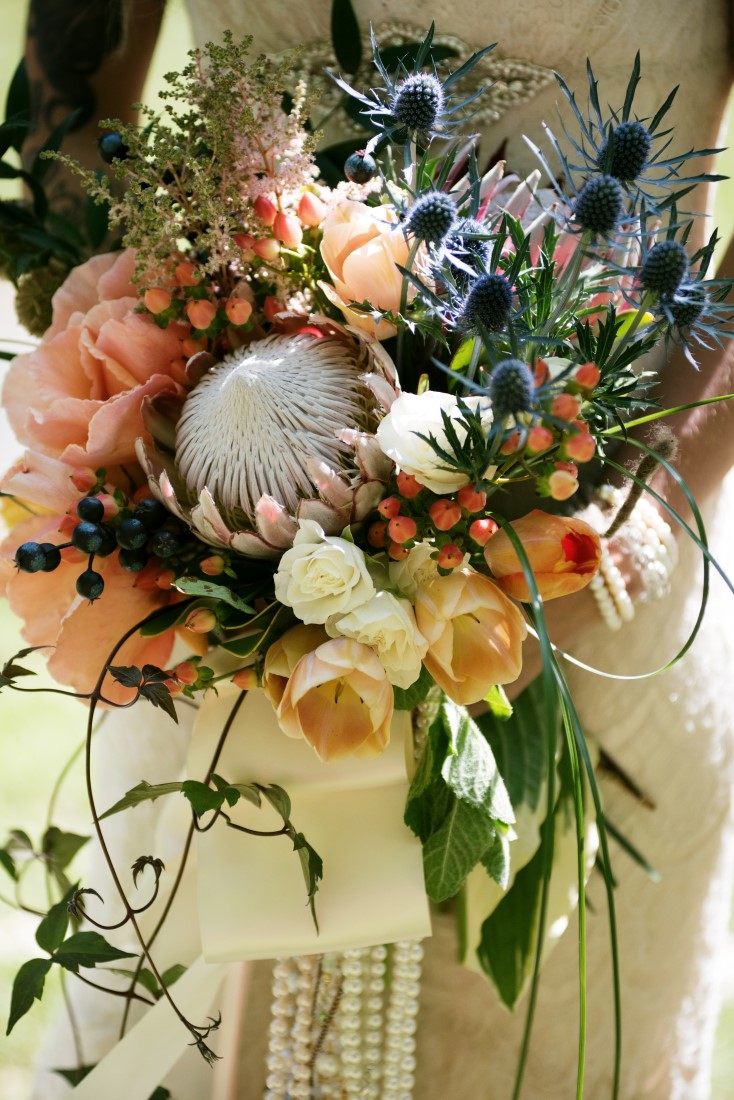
288	230
588	375
471	499
156	299
185	274
244	241
311	209
482	530
539	439
200	312
201	620
267	249
565	406
186	672
110	505
580	447
83	479
238	311
564	554
245	679
445	514
265	210
213	566
562	484
272	307
511	444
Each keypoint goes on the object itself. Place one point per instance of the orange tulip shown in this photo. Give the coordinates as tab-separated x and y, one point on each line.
340	700
564	554
474	634
283	656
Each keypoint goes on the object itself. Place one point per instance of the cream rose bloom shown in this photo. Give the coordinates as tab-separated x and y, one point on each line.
322	575
419	568
388	625
411	413
361	246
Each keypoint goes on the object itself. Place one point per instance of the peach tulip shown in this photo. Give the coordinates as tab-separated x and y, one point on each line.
361	246
564	554
283	656
474	632
340	700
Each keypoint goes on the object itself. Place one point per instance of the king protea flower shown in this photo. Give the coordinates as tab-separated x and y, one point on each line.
280	431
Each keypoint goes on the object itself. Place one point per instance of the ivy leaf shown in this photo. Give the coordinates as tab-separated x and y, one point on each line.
312	866
27	988
87	949
145	977
455	848
278	799
409	698
7	863
345	35
143	792
170	976
201	796
192	586
159	695
250	791
127	675
52	929
59	848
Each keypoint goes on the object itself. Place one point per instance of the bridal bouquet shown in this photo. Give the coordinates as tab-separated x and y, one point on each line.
323	443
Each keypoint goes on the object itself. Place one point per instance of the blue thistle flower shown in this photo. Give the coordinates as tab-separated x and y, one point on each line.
664	268
418	102
599	204
432	217
687	305
511	388
626	150
488	303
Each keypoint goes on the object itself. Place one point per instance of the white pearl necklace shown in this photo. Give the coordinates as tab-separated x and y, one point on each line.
340	1030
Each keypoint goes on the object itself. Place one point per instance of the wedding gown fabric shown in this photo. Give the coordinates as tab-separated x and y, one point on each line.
674	734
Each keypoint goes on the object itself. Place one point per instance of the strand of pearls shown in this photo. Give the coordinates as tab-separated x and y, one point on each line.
399	1057
649	540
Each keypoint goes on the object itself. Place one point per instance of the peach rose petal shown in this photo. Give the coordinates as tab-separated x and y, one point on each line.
80	291
114	427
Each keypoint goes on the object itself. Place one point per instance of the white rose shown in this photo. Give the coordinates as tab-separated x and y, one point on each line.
418	569
388	625
421	412
322	575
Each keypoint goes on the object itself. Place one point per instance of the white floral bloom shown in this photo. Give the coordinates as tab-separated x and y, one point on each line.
322	575
421	412
417	569
388	625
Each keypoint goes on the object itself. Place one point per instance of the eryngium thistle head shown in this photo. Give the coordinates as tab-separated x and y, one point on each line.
599	204
631	144
665	267
418	102
689	302
511	388
488	303
432	217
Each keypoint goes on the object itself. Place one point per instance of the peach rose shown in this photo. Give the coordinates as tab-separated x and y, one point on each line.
78	395
474	634
340	700
564	554
361	246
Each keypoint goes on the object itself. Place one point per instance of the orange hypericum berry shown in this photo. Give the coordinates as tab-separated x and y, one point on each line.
267	249
111	507
201	620
445	514
201	313
311	210
398	552
541	373
287	229
272	307
377	534
565	406
265	210
471	499
581	447
539	439
185	274
408	485
588	375
402	529
174	687
562	485
244	241
163	579
482	530
568	467
450	556
156	299
389	507
213	566
83	479
510	445
238	311
186	672
190	347
245	679
143	493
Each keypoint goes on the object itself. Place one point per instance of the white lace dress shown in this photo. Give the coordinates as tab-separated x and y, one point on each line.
674	733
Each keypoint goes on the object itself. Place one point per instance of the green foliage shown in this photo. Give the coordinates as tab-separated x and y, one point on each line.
27	988
149	684
192	586
409	698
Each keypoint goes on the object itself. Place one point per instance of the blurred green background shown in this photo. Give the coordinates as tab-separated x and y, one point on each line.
48	729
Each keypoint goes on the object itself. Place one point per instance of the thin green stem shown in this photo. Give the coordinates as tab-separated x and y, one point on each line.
403	305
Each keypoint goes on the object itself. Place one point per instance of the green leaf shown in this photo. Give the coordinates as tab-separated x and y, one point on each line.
455	849
278	799
27	988
518	744
170	976
169	618
7	863
87	949
128	675
18	101
496	860
470	769
160	696
312	866
52	929
408	698
194	587
96	219
59	848
74	1076
143	792
145	977
345	35
250	791
498	703
201	796
41	165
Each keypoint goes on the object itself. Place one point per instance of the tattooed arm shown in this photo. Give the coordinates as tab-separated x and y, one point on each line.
87	54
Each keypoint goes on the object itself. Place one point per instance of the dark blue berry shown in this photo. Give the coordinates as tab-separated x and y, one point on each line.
360	167
631	144
53	556
687	305
90	509
87	537
112	147
665	268
599	204
511	388
90	584
488	303
109	541
432	216
151	513
133	560
418	102
132	534
163	544
30	557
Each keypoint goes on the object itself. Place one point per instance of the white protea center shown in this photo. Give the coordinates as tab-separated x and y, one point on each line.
255	421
